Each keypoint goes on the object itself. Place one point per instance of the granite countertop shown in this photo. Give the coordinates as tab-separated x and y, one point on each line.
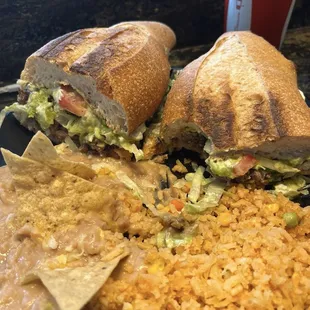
296	47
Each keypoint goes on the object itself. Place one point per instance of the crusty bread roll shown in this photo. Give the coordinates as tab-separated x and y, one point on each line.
243	95
122	71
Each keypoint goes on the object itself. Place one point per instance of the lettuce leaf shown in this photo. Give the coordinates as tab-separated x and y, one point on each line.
223	167
291	187
211	198
190	176
21	110
129	183
276	165
194	193
171	238
133	149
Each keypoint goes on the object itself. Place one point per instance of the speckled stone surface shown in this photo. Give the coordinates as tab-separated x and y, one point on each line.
296	47
27	25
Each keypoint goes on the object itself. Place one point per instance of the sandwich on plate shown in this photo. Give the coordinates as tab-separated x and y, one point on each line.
97	86
239	107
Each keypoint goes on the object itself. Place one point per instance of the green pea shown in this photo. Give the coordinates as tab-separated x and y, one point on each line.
291	219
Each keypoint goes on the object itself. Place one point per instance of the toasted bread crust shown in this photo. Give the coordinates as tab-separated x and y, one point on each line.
128	63
158	31
180	104
242	93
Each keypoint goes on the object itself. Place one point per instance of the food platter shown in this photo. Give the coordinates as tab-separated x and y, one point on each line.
60	245
191	191
13	136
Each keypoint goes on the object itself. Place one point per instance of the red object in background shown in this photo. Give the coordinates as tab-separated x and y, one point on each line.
267	18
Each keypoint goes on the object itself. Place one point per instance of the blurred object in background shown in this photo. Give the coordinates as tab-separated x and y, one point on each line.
267	18
26	25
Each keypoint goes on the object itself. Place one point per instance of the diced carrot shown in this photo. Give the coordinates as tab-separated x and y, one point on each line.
179	205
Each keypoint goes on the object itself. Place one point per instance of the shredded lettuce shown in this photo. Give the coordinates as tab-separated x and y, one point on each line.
57	94
137	135
41	108
174	75
276	165
129	183
291	187
194	165
133	149
213	194
171	238
194	193
295	161
72	146
190	176
179	183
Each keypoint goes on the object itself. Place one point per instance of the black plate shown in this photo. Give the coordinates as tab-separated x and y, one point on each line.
13	136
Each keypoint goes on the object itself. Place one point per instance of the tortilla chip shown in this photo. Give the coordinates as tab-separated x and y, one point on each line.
41	149
49	198
72	288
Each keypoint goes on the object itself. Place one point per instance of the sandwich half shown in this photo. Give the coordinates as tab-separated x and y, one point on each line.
239	106
97	86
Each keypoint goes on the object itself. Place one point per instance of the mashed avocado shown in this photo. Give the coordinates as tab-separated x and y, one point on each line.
43	107
211	198
296	161
222	167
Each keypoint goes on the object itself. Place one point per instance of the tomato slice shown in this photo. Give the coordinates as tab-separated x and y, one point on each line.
72	101
244	165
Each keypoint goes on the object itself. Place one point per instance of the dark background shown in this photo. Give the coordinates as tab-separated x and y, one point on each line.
27	25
